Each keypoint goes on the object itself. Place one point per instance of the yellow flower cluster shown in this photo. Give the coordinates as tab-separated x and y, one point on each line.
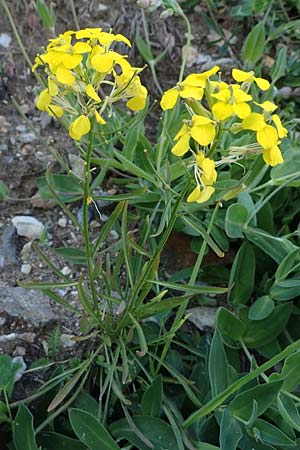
212	105
82	63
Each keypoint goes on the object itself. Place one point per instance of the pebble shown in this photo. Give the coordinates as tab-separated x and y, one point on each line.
2	321
114	234
27	138
28	226
66	270
8	246
26	269
22	367
77	165
67	340
5	40
19	351
62	222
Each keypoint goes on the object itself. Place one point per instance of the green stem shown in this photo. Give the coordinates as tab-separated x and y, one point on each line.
192	281
85	219
8	408
187	45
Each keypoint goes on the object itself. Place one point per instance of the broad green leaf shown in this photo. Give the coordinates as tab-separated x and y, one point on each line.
242	275
288	411
91	432
254	45
67	187
285	290
231	328
205	446
8	370
230	431
272	435
288	170
236	217
3	191
85	402
279	67
291	372
49	440
264	394
152	398
46	14
143	48
276	247
154	431
260	332
261	308
23	431
218	367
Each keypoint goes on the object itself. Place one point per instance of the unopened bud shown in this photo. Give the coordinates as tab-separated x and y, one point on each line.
144	4
167	13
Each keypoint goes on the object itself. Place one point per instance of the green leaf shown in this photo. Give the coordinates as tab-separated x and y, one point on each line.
152	398
8	370
242	275
288	411
46	14
205	446
67	187
131	141
23	432
271	435
48	440
87	403
287	265
261	308
291	372
289	169
236	217
254	45
91	432
280	66
218	367
231	328
230	431
192	289
277	248
72	254
143	48
261	332
263	394
153	430
285	290
3	191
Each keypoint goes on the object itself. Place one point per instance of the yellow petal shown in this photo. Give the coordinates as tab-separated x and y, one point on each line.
239	95
254	122
221	110
71	61
267	137
262	83
209	175
121	38
240	75
242	110
138	102
282	132
52	87
103	62
183	130
79	127
65	76
267	106
99	119
223	96
92	93
81	47
192	92
272	156
204	134
182	146
200	120
194	195
54	110
169	99
44	99
201	195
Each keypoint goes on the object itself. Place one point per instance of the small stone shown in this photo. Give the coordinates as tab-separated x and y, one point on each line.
26	269
285	92
67	340
28	226
5	40
19	351
2	321
62	222
114	234
27	138
192	55
8	246
28	337
19	361
66	271
21	128
296	92
77	165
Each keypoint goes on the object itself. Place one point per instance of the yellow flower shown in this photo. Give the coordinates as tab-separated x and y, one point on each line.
44	103
201	195
272	156
202	130
92	93
282	132
192	87
241	76
231	100
208	169
99	119
266	135
79	127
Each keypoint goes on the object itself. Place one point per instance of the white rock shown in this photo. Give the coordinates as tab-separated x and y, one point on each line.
28	226
66	270
20	363
26	269
67	340
5	40
62	222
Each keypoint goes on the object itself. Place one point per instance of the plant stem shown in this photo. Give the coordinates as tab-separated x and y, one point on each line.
8	408
74	15
187	45
85	218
